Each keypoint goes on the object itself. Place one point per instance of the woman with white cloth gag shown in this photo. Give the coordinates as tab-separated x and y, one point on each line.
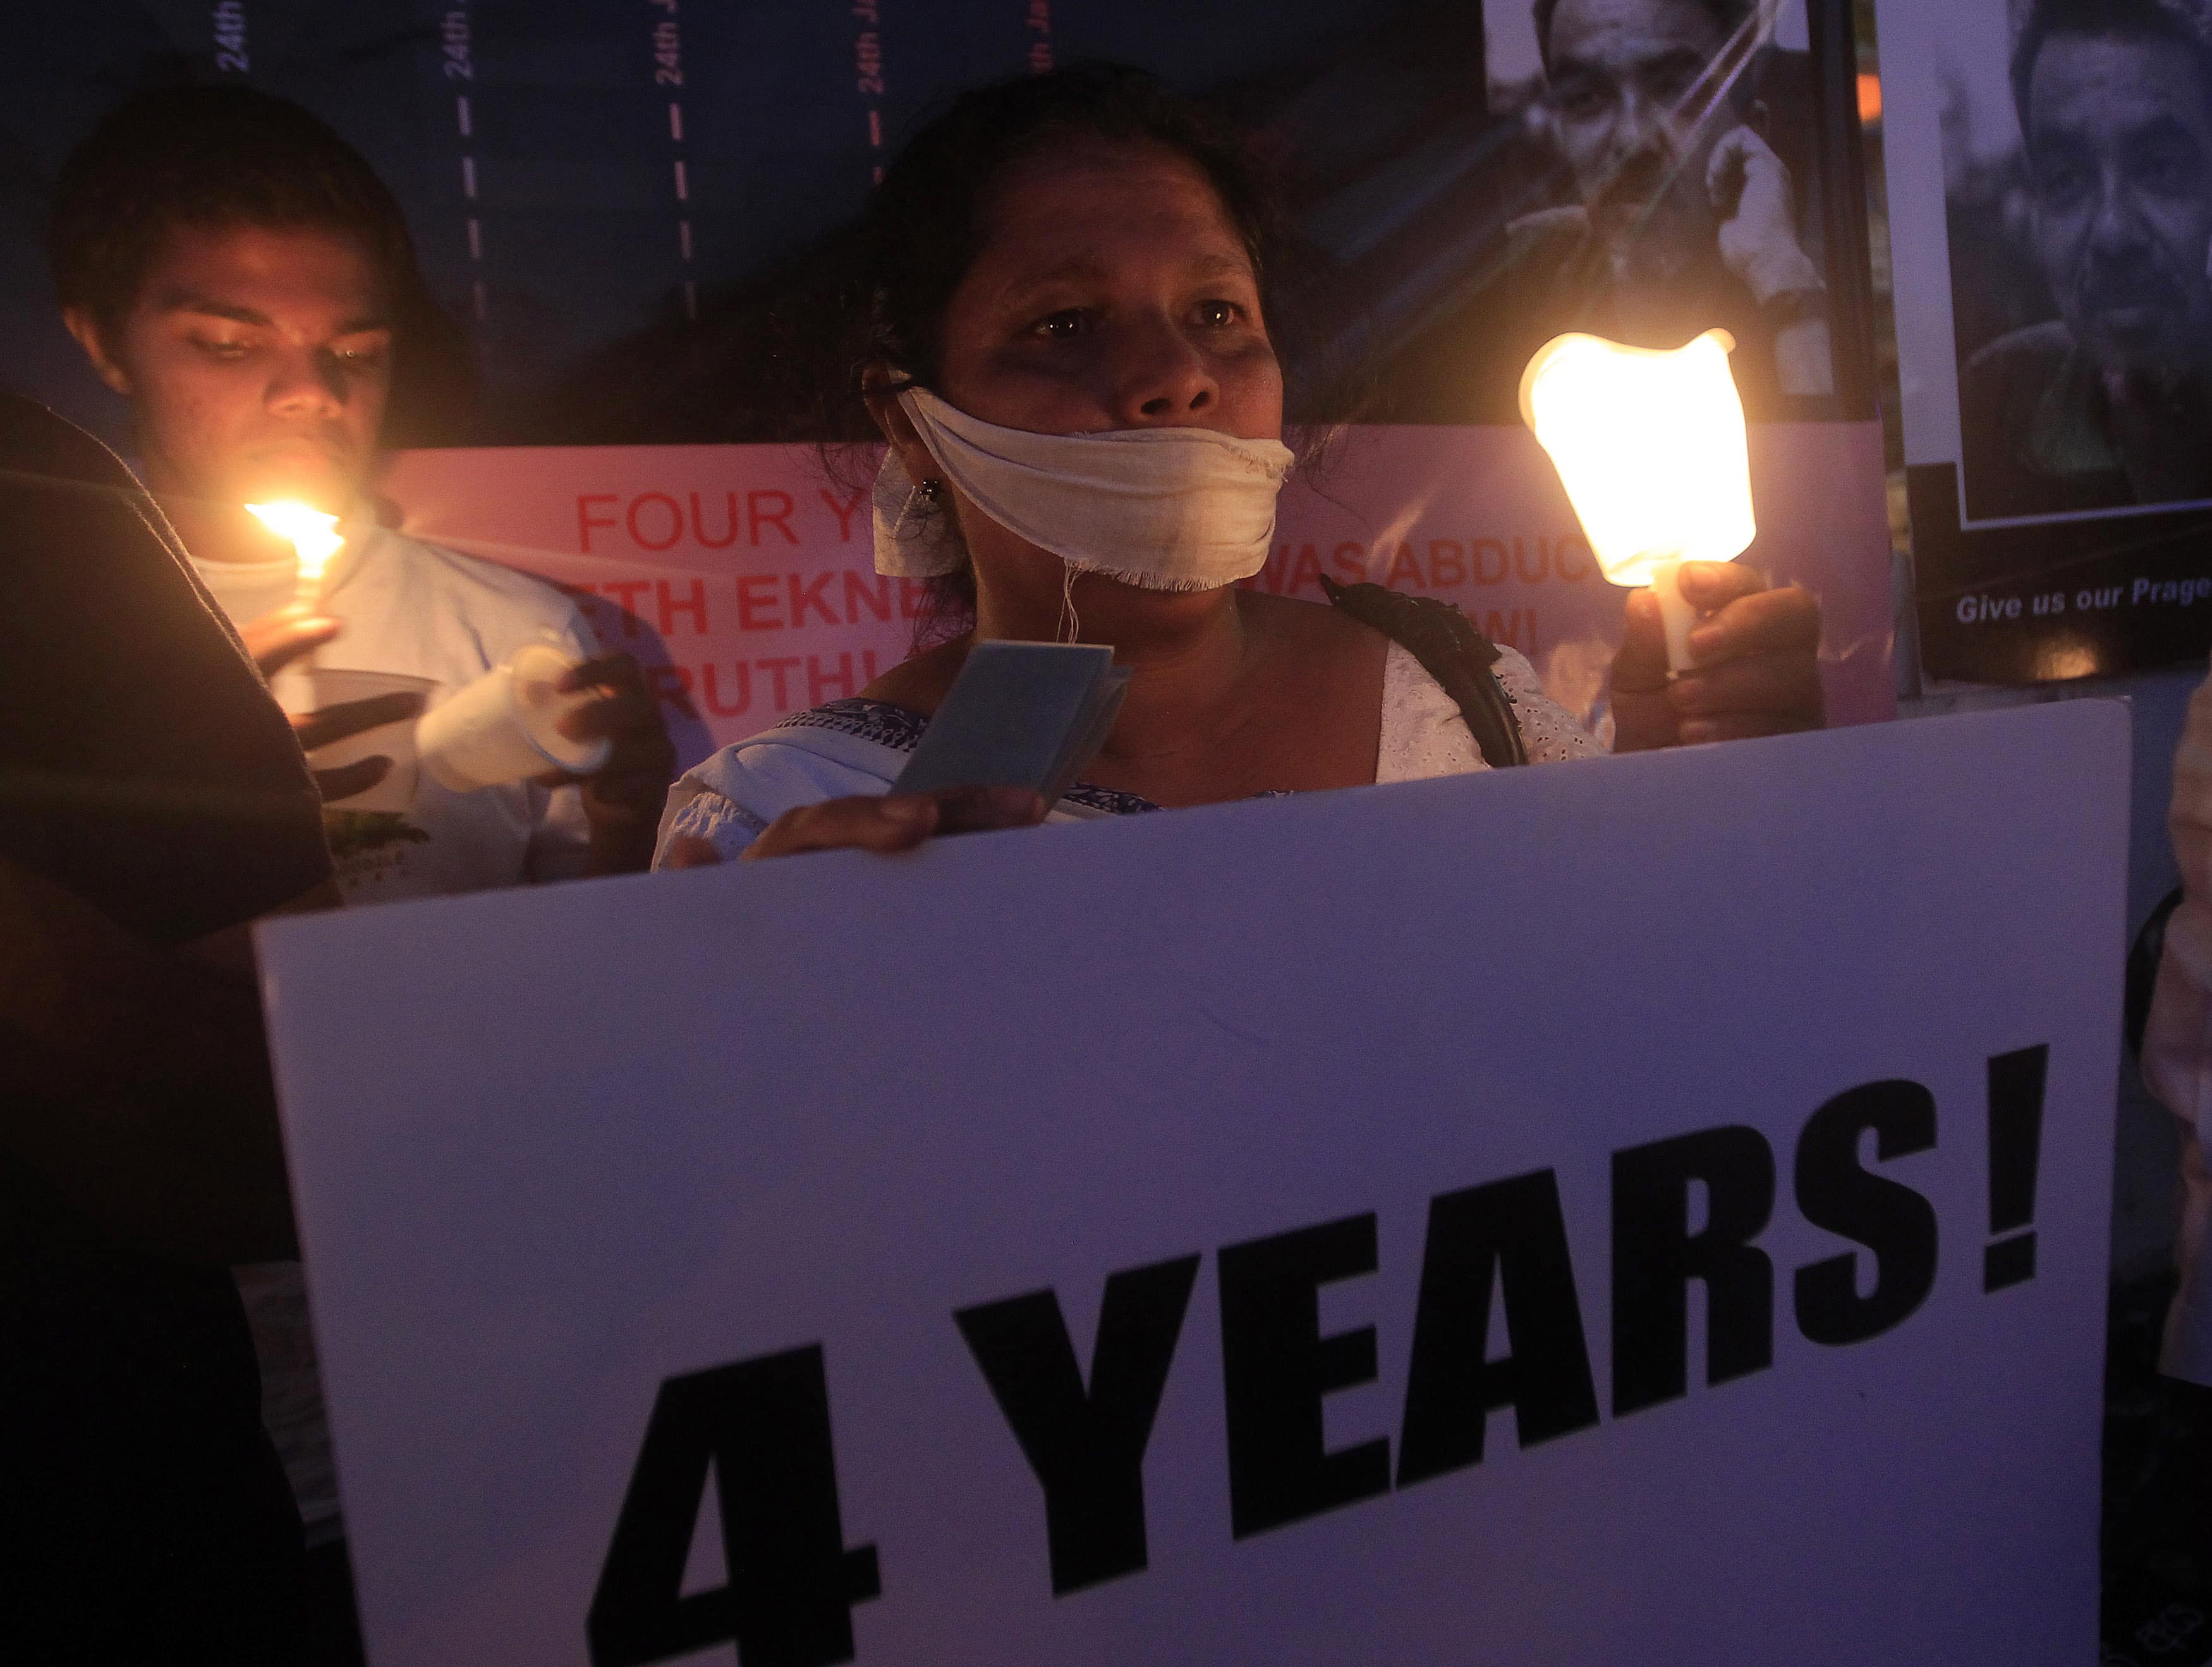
1069	350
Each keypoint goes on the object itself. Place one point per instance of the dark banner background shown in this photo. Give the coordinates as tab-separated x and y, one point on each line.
610	197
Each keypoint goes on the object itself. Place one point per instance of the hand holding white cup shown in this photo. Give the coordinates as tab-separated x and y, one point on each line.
506	726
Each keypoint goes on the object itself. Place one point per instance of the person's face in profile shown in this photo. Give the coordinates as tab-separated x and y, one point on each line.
2119	147
1628	87
257	362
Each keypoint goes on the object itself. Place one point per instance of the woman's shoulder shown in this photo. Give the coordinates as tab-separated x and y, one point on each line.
1550	733
1425	734
919	682
860	733
830	752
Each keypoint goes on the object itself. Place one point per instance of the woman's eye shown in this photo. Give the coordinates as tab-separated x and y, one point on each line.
1062	326
221	350
1217	313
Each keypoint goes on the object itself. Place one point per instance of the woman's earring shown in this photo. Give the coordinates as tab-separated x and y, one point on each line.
930	492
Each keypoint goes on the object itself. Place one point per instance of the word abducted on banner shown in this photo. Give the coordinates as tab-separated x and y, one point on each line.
762	1427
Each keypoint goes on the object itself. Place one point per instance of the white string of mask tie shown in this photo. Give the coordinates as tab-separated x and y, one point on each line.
1070	629
1166	508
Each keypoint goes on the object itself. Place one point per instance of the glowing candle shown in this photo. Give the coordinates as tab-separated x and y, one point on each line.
1651	447
313	535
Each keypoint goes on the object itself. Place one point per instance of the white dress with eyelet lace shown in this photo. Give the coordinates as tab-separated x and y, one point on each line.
1424	734
859	747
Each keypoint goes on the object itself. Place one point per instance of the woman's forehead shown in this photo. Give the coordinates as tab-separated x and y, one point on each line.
1093	205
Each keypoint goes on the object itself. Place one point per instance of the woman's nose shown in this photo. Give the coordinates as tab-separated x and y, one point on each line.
1162	377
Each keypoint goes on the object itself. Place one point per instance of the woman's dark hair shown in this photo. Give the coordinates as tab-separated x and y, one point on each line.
230	155
930	218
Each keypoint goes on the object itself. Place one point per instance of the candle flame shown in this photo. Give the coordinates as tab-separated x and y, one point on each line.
1651	447
312	533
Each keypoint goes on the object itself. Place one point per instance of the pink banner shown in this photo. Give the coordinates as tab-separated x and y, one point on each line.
741	575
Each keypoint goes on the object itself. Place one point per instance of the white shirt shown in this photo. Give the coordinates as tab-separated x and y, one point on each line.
419	611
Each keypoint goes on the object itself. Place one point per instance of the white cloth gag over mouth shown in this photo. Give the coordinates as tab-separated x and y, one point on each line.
1169	508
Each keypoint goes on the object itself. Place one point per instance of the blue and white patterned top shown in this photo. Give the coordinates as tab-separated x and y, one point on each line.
851	747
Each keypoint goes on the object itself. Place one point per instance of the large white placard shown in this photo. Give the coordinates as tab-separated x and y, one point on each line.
1735	1122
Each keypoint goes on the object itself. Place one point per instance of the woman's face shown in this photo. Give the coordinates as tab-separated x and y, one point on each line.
1112	291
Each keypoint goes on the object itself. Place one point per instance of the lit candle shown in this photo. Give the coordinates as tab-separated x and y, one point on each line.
314	534
1650	446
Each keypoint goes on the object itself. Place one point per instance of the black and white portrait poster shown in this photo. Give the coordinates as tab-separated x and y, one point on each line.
2050	166
1650	170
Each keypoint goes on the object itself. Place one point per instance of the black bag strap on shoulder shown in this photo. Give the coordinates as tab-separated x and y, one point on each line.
1451	650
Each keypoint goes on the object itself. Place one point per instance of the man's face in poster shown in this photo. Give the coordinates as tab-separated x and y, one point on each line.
1628	83
2119	144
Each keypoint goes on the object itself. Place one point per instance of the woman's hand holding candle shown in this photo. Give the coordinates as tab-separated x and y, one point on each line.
1756	671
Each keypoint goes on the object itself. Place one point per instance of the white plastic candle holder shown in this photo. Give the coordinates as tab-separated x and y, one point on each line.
505	726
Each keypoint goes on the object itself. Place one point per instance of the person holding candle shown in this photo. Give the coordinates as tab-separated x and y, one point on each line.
238	273
1068	314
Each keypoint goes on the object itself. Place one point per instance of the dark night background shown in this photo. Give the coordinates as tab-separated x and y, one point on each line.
586	321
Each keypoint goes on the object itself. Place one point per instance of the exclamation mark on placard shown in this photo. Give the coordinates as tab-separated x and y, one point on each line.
2015	1149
